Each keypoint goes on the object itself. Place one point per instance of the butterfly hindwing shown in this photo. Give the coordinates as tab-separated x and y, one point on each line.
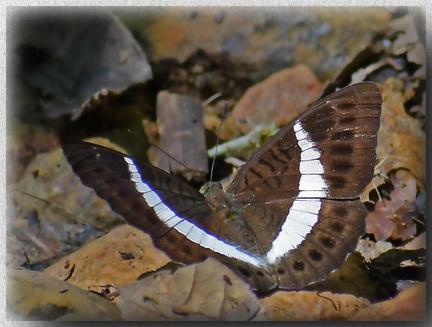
310	256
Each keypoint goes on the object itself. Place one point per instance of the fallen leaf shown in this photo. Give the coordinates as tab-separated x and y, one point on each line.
33	295
393	216
418	242
371	250
68	213
401	140
409	305
115	259
312	306
352	278
204	291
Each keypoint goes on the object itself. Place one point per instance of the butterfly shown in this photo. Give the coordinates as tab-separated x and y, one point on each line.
290	216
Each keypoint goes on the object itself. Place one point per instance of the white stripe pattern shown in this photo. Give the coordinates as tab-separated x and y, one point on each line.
303	214
193	232
311	183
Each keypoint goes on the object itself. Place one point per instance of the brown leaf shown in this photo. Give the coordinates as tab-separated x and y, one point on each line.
408	305
68	212
204	291
418	242
394	217
401	140
404	224
36	296
115	259
24	142
371	250
300	306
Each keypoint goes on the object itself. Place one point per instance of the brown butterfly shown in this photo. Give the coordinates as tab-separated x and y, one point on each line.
289	217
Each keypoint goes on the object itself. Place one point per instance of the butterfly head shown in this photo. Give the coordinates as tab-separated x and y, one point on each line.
215	195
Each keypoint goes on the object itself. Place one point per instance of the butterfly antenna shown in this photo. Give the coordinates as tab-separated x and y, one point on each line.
170	156
217	142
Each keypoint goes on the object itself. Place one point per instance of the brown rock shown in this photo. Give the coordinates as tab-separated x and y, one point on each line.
278	99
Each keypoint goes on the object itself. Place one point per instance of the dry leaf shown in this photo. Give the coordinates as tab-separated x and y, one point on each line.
401	140
393	218
408	305
36	296
418	242
300	306
204	291
371	250
68	213
115	259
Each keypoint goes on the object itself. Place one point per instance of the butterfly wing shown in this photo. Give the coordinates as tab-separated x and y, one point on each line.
306	181
340	130
176	215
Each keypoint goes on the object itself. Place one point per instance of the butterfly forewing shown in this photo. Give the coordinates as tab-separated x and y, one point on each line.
331	145
343	129
176	215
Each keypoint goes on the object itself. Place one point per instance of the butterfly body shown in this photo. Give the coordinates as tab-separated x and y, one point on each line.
290	216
